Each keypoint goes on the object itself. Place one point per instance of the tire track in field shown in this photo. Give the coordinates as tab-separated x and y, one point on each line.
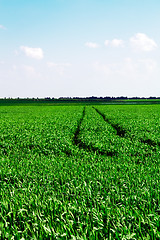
150	142
77	141
119	130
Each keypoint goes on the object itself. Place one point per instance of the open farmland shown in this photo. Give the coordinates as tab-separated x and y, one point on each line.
80	172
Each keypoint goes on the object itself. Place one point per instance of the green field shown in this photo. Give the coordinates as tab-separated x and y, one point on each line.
80	172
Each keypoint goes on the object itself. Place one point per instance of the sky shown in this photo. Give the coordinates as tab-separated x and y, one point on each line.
79	48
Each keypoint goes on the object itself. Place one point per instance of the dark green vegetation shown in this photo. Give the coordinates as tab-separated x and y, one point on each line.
76	101
79	172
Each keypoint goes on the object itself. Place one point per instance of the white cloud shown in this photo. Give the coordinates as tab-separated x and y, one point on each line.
142	42
91	45
2	27
36	53
117	43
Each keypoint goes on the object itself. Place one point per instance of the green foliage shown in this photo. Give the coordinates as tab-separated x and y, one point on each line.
66	172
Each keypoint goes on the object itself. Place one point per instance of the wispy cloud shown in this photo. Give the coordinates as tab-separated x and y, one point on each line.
114	43
142	42
91	45
36	53
106	43
53	64
2	27
59	67
127	67
117	43
27	70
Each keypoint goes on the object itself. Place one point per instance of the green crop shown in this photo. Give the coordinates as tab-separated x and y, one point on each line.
75	172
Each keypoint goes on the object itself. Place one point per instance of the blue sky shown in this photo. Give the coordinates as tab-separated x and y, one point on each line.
79	48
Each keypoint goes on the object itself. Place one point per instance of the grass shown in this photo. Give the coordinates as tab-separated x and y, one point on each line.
58	180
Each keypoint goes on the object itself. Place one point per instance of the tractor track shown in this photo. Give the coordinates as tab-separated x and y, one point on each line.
119	130
77	141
